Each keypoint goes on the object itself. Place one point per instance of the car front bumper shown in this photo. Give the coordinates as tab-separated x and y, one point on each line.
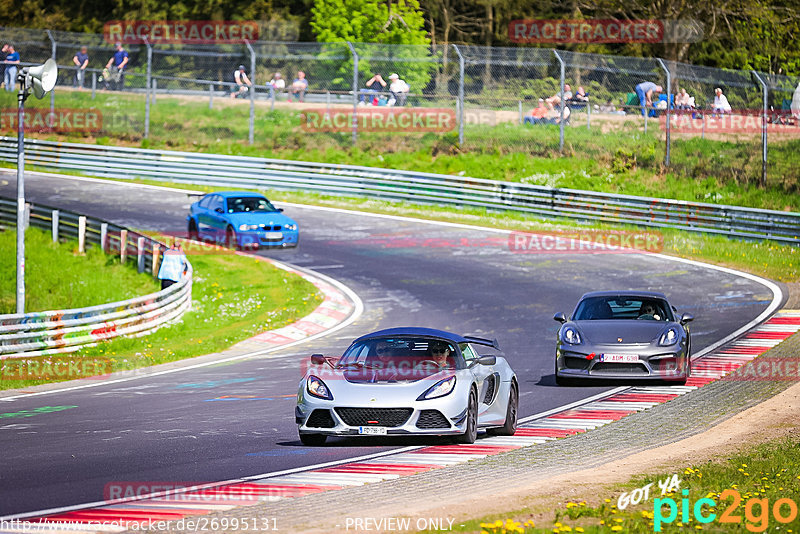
651	365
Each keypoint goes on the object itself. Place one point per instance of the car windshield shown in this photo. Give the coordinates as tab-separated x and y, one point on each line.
623	307
247	204
398	359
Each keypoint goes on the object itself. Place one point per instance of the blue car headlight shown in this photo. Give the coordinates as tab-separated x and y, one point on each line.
292	226
570	335
246	227
669	337
439	389
317	388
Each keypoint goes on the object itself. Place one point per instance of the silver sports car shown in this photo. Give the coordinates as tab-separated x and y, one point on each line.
623	334
408	381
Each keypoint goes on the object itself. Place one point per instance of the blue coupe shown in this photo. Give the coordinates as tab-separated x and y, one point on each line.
242	220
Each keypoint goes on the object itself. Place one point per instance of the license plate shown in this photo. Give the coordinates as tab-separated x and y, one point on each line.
273	235
372	430
619	358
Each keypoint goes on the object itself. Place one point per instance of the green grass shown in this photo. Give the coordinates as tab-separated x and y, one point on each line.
57	277
234	297
769	471
622	160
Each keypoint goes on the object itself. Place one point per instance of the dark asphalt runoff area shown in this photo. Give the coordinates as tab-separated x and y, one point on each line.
175	428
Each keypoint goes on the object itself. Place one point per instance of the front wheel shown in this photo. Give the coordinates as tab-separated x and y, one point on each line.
510	426
313	440
471	432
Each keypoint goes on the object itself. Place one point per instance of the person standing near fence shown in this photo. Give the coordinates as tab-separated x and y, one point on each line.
11	62
81	60
116	66
645	92
174	266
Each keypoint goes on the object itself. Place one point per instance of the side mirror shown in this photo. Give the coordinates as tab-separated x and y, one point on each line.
318	359
487	360
219	210
560	317
687	318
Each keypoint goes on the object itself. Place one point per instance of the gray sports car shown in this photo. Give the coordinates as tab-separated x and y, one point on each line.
408	381
623	334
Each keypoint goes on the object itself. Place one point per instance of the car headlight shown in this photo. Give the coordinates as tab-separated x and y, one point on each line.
245	227
290	226
570	335
317	388
670	337
439	389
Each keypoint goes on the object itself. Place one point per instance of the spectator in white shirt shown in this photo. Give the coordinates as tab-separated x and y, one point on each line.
721	104
277	83
399	90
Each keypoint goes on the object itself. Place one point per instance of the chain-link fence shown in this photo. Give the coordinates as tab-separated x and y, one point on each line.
315	96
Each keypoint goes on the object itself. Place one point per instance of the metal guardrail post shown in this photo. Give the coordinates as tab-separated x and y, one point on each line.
252	135
561	120
123	246
140	254
81	234
355	91
103	236
765	92
147	88
53	51
460	95
54	224
669	96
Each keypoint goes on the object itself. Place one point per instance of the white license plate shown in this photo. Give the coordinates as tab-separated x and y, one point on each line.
273	235
619	358
372	430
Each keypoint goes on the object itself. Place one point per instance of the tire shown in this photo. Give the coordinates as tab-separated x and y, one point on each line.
313	440
471	432
193	233
230	238
510	426
560	380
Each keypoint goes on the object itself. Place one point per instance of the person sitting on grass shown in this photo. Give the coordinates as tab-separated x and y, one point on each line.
299	87
555	100
538	114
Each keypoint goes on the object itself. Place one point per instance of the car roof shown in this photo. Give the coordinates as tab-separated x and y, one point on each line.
228	194
415	331
651	294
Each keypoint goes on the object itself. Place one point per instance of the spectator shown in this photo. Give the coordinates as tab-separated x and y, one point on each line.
645	92
116	67
721	104
81	60
299	87
795	105
3	55
242	82
399	90
538	114
558	118
11	61
174	265
682	99
555	100
374	85
277	83
580	96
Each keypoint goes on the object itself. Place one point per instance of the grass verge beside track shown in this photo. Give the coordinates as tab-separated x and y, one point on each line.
58	277
234	297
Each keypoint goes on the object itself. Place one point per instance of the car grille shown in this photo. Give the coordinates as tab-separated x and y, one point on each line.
634	369
432	419
368	416
320	419
576	363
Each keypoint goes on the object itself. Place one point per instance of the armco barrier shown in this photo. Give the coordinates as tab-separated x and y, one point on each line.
351	180
51	332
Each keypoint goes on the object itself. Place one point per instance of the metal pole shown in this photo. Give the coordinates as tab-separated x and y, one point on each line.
252	135
669	96
561	120
55	225
53	48
355	91
147	88
460	95
519	105
94	84
765	92
211	96
21	195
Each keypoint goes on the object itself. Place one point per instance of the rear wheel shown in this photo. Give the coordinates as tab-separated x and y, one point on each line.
510	426
230	238
471	432
313	440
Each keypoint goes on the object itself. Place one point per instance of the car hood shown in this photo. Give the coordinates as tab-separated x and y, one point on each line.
630	331
260	217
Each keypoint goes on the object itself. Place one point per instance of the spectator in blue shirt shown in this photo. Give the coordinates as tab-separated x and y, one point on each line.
116	67
11	62
81	60
645	91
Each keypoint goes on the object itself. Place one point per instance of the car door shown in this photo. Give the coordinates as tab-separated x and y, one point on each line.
202	215
484	376
217	220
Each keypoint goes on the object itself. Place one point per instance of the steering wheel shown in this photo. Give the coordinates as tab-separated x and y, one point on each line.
431	362
646	317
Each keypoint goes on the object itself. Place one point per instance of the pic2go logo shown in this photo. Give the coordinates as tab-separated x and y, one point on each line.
756	511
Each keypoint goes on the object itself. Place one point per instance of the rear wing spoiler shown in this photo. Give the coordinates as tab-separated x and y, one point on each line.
483	341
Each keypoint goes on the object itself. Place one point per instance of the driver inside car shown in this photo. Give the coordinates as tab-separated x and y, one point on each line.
440	353
649	311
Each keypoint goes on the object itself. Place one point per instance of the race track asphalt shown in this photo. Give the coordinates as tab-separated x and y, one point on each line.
174	429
